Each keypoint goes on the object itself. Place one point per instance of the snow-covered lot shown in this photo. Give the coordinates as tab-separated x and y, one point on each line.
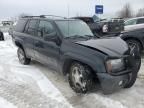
36	86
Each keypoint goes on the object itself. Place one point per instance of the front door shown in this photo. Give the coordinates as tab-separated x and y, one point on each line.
46	51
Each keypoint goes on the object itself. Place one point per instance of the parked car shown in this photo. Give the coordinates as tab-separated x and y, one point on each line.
1	35
134	38
69	46
104	26
7	23
134	23
11	28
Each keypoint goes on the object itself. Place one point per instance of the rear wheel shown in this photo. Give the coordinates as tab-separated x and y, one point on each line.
80	78
22	57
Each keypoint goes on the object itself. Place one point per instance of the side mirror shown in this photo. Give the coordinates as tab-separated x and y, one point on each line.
50	37
40	32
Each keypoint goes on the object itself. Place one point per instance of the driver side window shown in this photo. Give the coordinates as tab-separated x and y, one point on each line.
45	27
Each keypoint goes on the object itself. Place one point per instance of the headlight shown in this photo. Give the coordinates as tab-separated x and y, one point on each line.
105	28
115	65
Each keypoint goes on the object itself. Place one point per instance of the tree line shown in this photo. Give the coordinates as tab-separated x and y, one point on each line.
127	12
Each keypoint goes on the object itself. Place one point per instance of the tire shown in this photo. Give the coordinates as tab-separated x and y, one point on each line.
136	43
80	78
132	79
2	38
133	75
136	67
22	57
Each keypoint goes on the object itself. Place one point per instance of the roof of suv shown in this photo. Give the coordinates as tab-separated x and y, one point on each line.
51	18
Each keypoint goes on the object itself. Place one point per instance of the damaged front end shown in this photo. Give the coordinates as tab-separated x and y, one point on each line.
124	76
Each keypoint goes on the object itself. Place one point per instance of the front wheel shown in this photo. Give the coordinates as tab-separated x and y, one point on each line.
135	53
22	57
133	75
133	44
80	78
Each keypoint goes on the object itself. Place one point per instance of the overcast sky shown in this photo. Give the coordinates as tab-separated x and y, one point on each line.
10	8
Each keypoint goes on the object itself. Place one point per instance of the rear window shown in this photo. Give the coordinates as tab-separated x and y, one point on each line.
31	27
20	25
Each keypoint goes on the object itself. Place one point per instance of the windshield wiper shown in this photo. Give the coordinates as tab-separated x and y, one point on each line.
75	36
91	36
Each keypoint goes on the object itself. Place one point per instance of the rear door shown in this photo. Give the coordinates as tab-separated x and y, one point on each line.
46	51
30	35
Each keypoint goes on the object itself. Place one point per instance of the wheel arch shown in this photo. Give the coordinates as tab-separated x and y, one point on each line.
18	44
68	62
136	39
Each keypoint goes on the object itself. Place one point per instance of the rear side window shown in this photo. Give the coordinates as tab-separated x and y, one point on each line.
31	27
20	25
140	21
46	27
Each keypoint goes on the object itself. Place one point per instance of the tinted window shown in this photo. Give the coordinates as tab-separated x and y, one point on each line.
31	27
140	21
20	25
131	22
45	27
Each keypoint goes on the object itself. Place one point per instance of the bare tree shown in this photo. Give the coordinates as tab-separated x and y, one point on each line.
126	12
140	13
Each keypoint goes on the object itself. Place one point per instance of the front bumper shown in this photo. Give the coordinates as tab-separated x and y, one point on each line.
111	83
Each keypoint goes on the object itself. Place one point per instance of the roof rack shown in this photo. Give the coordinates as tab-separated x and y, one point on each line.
52	16
44	16
116	18
32	16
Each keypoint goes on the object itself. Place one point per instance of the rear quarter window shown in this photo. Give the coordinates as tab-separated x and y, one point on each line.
20	25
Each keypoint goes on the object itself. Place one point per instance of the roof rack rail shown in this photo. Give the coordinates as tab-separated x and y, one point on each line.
31	16
44	16
52	16
116	18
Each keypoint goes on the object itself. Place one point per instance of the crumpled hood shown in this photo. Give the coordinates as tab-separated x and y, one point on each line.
114	46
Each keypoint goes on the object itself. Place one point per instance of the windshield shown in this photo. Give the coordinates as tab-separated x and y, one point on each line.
71	28
130	22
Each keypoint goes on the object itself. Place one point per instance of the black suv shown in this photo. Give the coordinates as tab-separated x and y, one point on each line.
69	46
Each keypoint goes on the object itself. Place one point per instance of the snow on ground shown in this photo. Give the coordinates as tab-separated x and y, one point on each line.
36	86
25	86
141	73
5	104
